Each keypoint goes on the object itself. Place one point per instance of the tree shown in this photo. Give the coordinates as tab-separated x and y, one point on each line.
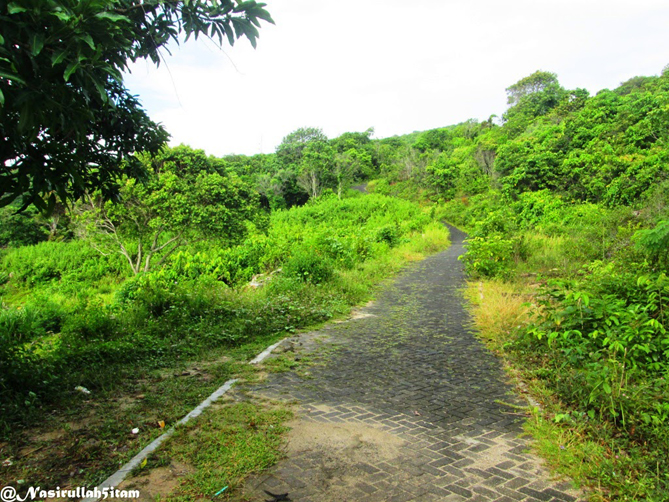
357	140
67	123
539	81
180	203
348	165
531	97
291	147
315	168
443	173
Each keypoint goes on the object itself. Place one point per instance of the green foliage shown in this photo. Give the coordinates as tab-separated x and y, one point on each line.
654	242
185	200
606	343
20	229
64	110
100	326
290	150
489	256
67	262
308	266
315	168
534	208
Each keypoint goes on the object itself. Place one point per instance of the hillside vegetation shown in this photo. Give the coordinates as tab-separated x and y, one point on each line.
566	201
567	207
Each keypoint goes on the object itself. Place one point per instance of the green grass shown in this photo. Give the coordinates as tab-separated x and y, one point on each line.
224	447
130	347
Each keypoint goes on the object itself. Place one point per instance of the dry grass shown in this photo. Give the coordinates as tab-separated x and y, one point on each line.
498	308
567	446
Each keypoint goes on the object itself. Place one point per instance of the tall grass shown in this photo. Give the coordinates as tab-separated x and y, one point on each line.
330	254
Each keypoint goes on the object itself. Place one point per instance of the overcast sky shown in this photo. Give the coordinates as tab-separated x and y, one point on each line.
397	66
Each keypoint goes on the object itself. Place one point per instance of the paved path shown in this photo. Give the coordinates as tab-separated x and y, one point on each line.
406	406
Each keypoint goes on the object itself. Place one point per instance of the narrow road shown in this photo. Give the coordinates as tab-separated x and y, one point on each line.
407	405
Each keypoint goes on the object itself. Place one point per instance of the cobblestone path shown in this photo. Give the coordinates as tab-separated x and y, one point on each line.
407	405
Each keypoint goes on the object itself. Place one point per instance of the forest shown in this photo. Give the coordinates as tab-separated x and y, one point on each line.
565	200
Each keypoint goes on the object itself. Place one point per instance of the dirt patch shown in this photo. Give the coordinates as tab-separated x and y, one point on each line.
361	313
354	441
158	482
340	454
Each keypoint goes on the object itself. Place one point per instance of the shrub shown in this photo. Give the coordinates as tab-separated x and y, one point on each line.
654	243
389	234
308	266
490	256
31	322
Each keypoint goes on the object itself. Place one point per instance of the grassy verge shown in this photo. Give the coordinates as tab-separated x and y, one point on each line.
215	453
592	452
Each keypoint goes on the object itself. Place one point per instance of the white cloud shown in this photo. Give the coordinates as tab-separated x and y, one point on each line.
394	65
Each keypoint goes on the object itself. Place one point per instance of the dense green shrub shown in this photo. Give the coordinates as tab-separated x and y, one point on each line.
490	256
607	347
21	229
308	266
69	262
654	242
388	234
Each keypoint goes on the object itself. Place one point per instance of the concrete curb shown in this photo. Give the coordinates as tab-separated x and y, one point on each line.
117	478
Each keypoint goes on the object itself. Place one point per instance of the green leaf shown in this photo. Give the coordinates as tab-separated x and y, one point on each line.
89	40
71	68
101	89
229	33
12	8
264	15
2	98
2	40
63	16
112	17
114	73
36	43
11	76
58	57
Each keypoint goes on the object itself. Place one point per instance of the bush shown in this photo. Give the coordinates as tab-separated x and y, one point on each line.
388	234
21	229
31	322
490	256
308	266
608	349
654	243
68	262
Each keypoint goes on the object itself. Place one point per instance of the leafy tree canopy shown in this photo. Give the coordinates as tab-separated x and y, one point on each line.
291	147
537	82
178	204
68	125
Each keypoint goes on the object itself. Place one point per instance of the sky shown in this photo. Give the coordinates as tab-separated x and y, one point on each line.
396	66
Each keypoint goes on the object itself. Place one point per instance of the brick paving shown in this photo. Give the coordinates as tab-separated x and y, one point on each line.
417	402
